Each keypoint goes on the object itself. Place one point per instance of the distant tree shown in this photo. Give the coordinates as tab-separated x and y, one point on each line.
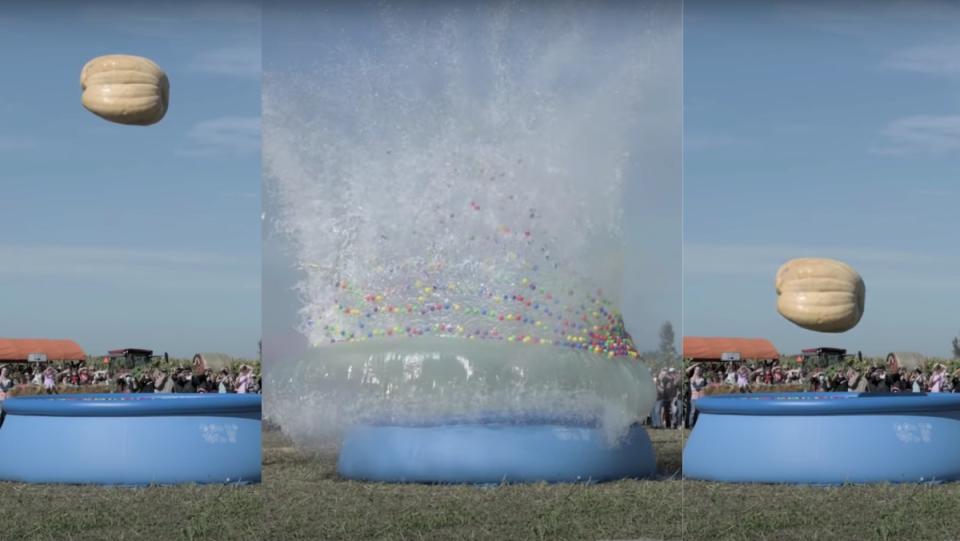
668	348
956	347
667	338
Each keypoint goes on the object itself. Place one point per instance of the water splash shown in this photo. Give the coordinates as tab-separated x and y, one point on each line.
456	185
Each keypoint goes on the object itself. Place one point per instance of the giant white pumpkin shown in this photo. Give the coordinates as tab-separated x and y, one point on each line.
820	294
125	89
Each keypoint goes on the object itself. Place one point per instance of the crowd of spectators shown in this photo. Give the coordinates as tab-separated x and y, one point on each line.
51	378
677	392
185	380
668	407
48	376
872	378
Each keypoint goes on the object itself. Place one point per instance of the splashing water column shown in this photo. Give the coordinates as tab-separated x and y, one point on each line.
456	214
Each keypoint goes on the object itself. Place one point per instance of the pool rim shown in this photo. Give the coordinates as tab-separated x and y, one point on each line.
827	403
489	418
132	404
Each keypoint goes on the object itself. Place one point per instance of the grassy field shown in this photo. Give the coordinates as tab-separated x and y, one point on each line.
66	513
305	500
785	513
302	498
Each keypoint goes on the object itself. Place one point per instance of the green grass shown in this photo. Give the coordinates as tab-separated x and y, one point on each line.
306	500
302	498
65	513
741	512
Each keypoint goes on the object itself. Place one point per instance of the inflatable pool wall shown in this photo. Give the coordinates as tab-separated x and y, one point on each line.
825	438
131	439
494	450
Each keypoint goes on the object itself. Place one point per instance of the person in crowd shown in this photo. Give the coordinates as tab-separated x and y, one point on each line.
6	382
938	378
697	385
161	382
657	421
669	386
685	401
743	379
208	383
917	384
244	380
187	382
50	380
839	382
223	382
731	377
145	383
678	410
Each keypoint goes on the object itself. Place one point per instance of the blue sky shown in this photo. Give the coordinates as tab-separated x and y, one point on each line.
823	129
811	129
128	236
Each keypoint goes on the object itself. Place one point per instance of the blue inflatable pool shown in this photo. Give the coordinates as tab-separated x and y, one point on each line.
493	449
825	438
131	439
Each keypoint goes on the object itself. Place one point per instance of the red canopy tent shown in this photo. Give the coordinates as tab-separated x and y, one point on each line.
707	349
18	349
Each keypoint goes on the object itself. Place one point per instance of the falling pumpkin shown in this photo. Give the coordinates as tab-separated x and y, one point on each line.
820	294
125	89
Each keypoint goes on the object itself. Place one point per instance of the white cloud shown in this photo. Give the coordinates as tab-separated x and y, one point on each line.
922	133
153	269
225	135
943	59
242	61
